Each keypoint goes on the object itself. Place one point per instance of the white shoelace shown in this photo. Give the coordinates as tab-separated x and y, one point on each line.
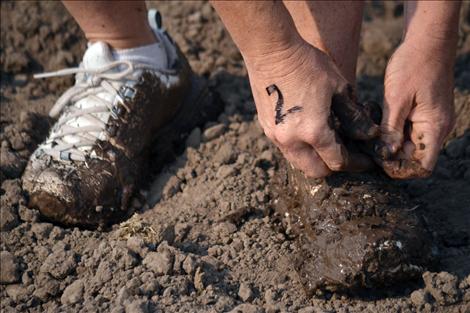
90	82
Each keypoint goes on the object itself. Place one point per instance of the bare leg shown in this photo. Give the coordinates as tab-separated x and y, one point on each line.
121	24
333	27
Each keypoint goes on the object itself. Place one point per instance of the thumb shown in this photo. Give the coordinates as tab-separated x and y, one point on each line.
354	120
396	108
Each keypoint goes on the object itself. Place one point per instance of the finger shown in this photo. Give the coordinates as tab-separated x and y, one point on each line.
404	169
355	122
396	109
304	158
404	166
428	142
331	150
407	151
360	161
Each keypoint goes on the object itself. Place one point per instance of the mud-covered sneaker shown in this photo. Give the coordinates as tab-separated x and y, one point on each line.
91	164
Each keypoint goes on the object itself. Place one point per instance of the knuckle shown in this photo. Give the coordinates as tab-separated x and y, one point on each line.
394	117
283	138
270	134
314	173
391	131
337	165
317	137
321	142
312	137
394	97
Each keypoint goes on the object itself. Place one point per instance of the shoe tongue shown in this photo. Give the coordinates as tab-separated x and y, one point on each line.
97	55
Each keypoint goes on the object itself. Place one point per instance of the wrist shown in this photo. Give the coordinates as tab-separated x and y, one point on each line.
431	49
274	46
258	28
266	59
296	59
432	28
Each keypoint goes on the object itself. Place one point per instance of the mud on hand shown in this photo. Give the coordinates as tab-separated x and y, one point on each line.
357	125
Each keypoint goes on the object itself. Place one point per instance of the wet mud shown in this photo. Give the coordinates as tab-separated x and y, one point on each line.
352	231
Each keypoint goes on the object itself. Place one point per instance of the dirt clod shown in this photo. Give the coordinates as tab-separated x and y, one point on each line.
161	263
190	265
217	219
137	245
420	297
225	154
443	287
59	264
11	163
213	132
200	279
41	230
73	293
245	293
8	218
46	287
172	187
28	215
247	308
137	306
9	272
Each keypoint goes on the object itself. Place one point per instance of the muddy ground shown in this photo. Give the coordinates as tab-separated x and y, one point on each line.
205	240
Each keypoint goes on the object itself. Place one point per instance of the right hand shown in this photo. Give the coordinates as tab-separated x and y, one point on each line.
425	101
309	79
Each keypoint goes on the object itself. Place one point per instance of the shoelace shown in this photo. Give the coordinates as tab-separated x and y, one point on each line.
98	80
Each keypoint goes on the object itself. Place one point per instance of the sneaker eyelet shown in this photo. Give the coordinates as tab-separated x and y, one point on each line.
111	130
127	92
117	111
111	155
65	156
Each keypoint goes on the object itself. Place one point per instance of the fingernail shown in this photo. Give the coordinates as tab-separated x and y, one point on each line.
392	147
381	149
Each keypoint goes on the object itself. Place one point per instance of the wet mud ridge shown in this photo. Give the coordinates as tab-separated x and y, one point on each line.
352	232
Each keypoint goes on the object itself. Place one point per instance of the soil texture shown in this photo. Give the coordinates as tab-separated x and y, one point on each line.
206	236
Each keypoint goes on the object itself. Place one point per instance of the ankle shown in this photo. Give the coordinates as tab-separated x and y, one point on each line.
153	54
124	41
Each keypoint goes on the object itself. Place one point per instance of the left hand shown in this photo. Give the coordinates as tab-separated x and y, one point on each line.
418	90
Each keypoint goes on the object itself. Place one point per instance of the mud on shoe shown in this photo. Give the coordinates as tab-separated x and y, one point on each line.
92	162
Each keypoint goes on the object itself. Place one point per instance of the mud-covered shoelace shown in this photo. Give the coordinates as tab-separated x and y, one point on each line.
90	82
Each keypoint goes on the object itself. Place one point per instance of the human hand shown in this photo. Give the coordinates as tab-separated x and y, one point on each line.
418	110
294	90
